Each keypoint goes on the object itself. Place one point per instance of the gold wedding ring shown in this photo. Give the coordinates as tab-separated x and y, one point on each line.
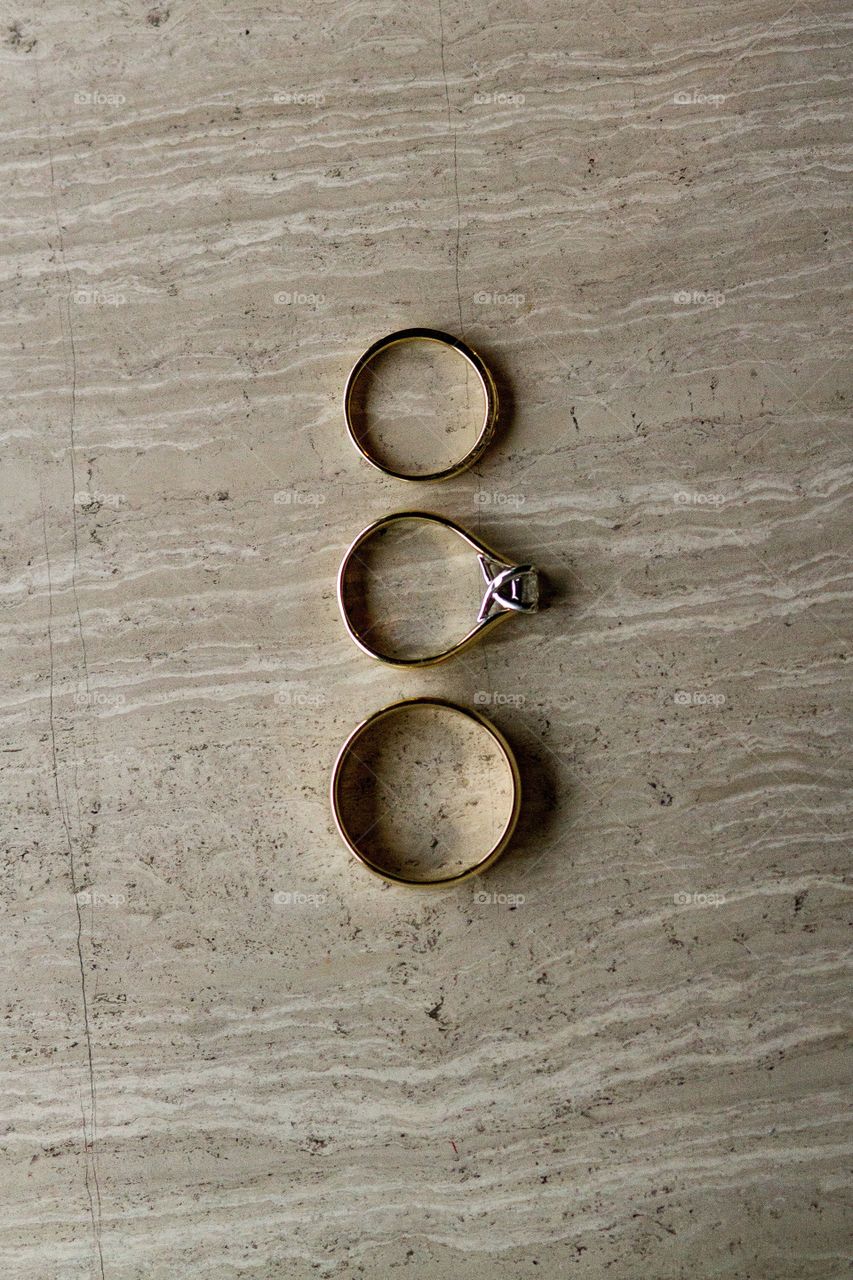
487	383
360	844
509	589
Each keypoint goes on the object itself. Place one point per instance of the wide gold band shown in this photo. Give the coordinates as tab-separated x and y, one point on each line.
364	855
496	606
487	383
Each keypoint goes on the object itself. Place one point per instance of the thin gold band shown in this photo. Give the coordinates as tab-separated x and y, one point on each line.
487	383
364	856
498	610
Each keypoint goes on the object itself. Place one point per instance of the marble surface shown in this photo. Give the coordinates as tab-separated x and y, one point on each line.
228	1051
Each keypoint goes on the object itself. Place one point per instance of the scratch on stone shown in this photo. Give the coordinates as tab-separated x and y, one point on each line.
88	1135
452	131
73	406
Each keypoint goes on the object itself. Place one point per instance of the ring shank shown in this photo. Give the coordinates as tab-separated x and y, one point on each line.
487	383
347	752
370	648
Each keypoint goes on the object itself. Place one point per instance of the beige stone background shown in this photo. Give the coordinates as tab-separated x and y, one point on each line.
228	1051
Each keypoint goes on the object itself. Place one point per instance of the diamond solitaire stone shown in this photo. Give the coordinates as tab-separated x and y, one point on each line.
508	588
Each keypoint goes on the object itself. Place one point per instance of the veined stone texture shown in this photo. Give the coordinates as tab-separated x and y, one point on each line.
229	1051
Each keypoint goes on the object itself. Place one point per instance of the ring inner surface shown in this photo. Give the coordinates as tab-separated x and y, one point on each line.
412	589
425	793
417	407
